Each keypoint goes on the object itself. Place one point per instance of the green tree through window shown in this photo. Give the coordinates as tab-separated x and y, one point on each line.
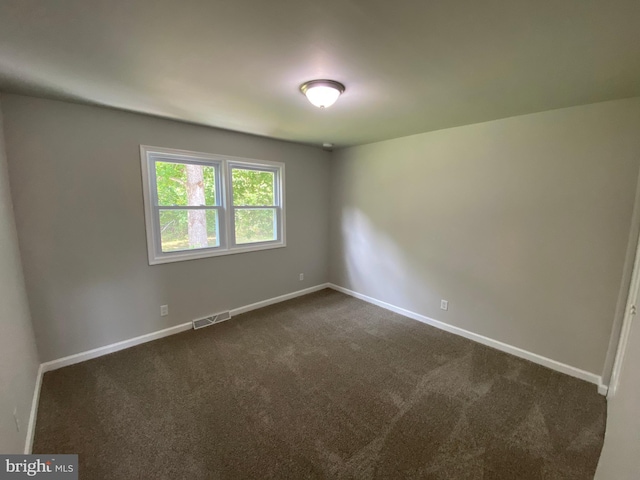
180	184
201	205
254	188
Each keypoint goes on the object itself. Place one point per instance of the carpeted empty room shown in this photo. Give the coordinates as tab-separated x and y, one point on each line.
346	240
322	386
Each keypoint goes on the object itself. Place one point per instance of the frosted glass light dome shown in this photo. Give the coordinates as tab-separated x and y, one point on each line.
322	93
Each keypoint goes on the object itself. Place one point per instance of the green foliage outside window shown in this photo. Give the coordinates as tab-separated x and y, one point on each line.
253	188
171	181
250	188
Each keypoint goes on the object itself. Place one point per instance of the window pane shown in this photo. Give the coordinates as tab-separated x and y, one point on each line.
180	184
253	187
188	229
255	225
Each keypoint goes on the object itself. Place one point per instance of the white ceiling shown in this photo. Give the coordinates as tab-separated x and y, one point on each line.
409	66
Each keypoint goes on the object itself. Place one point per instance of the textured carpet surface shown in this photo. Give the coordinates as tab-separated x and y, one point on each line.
322	386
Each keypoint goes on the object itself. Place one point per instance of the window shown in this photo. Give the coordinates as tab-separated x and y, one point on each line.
201	205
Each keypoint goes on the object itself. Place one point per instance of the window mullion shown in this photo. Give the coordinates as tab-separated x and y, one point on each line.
228	213
188	207
255	207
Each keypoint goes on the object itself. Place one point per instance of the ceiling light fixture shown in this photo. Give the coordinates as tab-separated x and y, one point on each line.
322	93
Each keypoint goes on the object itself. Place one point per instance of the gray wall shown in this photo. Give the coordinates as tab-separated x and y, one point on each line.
620	459
18	357
77	189
522	224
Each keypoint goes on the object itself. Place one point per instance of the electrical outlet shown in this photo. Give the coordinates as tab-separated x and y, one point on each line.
164	310
301	276
17	420
444	304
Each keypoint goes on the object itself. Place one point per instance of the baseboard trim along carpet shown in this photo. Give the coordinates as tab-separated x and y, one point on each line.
321	386
114	347
518	352
132	342
31	429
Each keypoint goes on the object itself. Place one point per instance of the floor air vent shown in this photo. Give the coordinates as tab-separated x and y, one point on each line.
206	321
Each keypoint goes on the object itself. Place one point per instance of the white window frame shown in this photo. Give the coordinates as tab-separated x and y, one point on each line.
224	196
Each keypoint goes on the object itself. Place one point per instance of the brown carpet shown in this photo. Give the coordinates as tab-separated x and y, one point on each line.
323	386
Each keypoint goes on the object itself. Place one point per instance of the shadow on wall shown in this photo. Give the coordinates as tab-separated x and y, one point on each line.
379	266
374	263
510	257
522	224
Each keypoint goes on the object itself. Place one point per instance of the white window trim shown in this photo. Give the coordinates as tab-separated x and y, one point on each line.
225	210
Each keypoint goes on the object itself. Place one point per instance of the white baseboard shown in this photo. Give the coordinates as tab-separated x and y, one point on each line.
603	389
114	347
31	429
281	298
518	352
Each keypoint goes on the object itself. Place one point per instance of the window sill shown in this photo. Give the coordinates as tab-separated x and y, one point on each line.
206	253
